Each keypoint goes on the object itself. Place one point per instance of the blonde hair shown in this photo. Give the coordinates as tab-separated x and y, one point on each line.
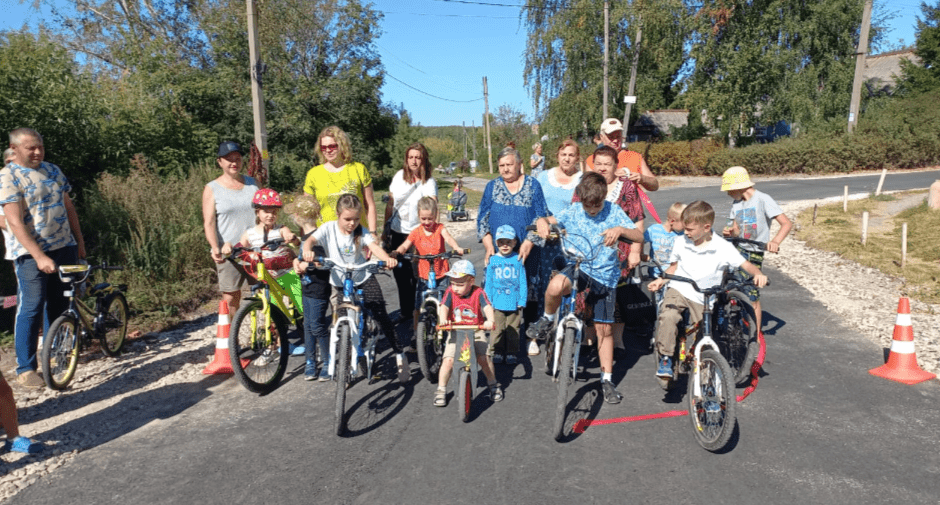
675	211
304	209
428	203
342	140
699	212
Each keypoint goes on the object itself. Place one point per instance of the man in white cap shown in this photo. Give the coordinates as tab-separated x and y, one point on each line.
629	163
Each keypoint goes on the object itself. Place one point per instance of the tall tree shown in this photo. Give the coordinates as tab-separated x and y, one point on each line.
926	75
564	58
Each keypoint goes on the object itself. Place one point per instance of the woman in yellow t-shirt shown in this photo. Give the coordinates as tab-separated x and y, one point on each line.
338	175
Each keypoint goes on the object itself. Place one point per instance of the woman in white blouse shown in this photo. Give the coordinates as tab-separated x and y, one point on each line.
409	185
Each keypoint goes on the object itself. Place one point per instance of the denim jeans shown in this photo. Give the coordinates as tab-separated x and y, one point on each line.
36	291
316	330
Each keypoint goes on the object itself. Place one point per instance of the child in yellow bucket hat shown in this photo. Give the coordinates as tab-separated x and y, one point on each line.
752	213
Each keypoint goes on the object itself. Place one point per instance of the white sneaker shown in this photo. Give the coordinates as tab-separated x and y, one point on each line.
533	348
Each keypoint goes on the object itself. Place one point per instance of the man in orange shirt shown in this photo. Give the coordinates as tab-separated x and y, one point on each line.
629	163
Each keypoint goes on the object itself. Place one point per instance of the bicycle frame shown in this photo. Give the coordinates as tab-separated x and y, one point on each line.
351	306
464	339
88	318
568	319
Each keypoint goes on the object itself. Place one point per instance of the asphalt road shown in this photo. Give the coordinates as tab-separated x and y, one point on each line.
818	429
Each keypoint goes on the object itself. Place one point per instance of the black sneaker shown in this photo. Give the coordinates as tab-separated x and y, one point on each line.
540	329
611	395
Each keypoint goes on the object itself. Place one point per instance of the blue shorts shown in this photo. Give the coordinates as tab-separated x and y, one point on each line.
422	286
602	298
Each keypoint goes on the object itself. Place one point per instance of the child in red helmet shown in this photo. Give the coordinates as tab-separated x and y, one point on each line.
267	204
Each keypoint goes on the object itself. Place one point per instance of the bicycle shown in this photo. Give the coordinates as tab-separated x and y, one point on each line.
66	336
568	331
352	324
735	322
258	345
429	344
467	369
711	387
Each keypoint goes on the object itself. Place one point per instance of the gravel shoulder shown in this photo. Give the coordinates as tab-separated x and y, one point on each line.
104	399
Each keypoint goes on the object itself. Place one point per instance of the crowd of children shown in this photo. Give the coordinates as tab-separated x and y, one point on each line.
684	244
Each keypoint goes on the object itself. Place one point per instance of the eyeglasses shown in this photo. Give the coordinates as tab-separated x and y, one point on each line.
331	147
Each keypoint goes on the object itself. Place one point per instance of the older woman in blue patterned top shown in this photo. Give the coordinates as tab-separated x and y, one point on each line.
517	200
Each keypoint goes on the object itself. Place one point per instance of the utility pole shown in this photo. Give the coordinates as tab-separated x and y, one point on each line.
630	99
486	117
465	140
606	50
473	126
257	95
860	66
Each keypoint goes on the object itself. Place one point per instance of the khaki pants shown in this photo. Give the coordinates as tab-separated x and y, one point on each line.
670	315
504	339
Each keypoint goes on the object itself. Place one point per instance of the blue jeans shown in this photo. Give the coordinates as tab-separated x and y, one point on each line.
36	291
316	330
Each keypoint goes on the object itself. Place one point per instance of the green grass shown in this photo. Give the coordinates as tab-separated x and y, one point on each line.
841	233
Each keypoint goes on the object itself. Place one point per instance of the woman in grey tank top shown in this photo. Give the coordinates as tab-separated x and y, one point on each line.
226	214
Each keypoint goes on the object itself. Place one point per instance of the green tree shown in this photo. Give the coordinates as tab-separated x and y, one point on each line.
926	75
564	58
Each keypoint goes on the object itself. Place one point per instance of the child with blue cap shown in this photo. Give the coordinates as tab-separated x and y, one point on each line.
506	288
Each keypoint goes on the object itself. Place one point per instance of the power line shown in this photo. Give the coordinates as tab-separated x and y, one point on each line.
429	94
451	15
517	6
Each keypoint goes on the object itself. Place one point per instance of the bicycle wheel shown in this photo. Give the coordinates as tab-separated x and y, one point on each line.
114	326
341	373
428	356
564	379
464	394
737	335
60	352
712	414
258	363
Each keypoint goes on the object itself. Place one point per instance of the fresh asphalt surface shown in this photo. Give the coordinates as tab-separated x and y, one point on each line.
818	429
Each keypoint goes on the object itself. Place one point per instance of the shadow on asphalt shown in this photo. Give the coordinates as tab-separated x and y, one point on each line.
378	407
768	318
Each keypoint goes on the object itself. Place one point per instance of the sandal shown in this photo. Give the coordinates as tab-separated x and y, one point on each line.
496	393
440	398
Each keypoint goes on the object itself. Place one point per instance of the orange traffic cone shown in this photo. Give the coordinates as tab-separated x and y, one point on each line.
902	362
221	363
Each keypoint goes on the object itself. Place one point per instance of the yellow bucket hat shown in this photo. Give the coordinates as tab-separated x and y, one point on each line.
735	178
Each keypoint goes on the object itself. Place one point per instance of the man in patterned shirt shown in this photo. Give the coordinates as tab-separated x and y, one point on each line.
40	214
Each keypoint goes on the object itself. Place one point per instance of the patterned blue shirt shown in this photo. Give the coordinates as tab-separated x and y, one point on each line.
42	192
585	236
499	206
661	242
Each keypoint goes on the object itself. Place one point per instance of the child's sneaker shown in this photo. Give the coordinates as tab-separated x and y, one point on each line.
404	372
539	330
440	397
611	395
324	375
497	359
496	392
533	348
511	359
297	350
665	368
25	446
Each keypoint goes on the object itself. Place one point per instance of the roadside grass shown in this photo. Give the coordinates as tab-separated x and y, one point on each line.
840	232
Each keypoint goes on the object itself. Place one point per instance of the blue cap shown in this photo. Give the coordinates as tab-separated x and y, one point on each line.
461	268
505	231
228	147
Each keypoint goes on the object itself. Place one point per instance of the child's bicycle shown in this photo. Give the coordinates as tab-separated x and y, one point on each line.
67	334
711	383
257	342
430	346
466	367
563	348
353	329
735	323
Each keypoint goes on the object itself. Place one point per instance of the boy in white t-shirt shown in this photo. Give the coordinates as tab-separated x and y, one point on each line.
703	257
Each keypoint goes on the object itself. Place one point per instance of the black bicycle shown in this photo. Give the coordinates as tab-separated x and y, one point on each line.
735	321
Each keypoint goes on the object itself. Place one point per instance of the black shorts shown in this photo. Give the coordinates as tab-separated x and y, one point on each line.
602	298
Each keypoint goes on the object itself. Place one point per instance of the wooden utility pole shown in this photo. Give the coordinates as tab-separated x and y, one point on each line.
606	50
860	55
630	99
486	117
257	95
465	140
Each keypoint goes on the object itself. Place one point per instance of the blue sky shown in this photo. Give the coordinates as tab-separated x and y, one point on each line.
436	53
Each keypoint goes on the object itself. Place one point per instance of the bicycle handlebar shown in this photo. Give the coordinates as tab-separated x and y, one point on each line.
445	255
741	240
329	264
557	232
450	327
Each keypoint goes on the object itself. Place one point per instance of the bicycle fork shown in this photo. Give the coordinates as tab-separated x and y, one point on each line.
569	321
696	371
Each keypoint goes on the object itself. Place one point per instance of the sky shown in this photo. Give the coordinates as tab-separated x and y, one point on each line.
436	53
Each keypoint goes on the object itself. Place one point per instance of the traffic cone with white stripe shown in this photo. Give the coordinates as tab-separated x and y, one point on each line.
902	362
221	364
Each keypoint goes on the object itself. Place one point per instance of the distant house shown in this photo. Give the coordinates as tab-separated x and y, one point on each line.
883	70
658	123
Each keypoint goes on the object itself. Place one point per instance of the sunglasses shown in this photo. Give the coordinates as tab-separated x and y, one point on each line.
331	147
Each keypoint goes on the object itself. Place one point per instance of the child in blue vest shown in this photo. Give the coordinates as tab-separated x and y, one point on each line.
507	290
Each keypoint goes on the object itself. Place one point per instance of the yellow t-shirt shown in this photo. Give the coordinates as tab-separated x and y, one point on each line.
328	186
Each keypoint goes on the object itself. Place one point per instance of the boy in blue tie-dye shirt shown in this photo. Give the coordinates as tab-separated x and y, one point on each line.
661	237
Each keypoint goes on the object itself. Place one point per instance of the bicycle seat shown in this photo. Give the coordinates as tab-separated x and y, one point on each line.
97	288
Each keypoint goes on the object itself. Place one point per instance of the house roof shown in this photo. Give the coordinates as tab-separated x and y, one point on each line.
886	67
663	119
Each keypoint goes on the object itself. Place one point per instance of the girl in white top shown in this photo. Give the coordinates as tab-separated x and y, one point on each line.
344	240
412	183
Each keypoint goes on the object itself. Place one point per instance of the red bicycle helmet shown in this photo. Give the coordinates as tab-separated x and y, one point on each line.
266	198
